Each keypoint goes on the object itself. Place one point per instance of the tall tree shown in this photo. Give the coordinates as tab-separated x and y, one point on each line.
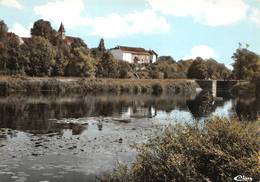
107	67
101	46
247	64
44	29
41	57
3	30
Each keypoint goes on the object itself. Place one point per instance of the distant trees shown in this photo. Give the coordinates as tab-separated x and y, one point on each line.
48	54
166	59
247	64
198	69
208	69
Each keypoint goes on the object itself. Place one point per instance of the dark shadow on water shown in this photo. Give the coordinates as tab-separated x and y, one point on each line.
204	105
247	109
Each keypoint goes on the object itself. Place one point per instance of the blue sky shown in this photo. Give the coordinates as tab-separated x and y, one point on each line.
180	28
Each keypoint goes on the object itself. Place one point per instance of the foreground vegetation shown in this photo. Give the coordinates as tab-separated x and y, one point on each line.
218	151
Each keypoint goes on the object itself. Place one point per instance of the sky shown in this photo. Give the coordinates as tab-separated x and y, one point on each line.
182	29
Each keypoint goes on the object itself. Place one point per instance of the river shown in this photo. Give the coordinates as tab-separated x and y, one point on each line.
76	138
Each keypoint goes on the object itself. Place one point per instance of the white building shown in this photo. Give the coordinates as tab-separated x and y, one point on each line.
134	54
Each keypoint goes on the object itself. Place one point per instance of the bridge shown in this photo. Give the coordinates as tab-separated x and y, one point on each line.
217	86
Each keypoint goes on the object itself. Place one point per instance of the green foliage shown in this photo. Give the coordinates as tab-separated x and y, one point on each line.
80	64
101	46
217	151
247	64
78	42
39	57
217	70
3	30
198	69
166	59
44	29
107	67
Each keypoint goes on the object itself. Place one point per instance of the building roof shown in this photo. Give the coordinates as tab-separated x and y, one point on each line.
61	29
136	50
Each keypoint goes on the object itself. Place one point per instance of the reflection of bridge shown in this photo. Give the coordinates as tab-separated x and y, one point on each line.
216	86
249	109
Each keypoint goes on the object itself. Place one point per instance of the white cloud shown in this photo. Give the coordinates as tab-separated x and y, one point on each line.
20	30
254	15
206	12
202	51
11	3
67	11
109	26
115	25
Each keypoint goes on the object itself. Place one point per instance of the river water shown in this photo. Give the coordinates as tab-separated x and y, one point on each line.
76	138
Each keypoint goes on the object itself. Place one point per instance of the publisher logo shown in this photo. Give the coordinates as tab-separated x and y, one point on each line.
242	178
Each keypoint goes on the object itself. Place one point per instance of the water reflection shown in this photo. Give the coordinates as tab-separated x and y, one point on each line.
203	105
38	114
247	109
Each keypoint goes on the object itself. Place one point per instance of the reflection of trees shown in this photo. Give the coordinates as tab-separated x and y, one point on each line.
35	114
247	109
203	105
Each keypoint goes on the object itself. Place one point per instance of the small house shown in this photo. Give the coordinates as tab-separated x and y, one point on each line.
134	54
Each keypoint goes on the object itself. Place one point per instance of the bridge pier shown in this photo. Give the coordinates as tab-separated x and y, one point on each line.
208	85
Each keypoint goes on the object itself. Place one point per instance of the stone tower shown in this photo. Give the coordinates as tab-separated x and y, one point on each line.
62	31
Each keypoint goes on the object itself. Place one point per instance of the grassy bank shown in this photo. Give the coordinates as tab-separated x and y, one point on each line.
84	86
219	151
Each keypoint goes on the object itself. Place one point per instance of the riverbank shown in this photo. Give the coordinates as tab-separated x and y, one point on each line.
61	85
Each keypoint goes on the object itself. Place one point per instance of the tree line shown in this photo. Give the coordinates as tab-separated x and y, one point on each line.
47	54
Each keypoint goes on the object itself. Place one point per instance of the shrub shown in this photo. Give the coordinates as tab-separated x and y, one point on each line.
217	151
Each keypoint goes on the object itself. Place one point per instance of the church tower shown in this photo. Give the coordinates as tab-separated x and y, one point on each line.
62	31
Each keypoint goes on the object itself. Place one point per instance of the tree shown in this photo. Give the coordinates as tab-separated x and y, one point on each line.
107	67
247	64
3	30
166	59
101	46
3	56
98	52
81	63
39	56
44	29
217	70
198	69
78	42
13	62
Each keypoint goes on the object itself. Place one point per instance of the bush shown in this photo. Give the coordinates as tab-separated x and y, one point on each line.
218	151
